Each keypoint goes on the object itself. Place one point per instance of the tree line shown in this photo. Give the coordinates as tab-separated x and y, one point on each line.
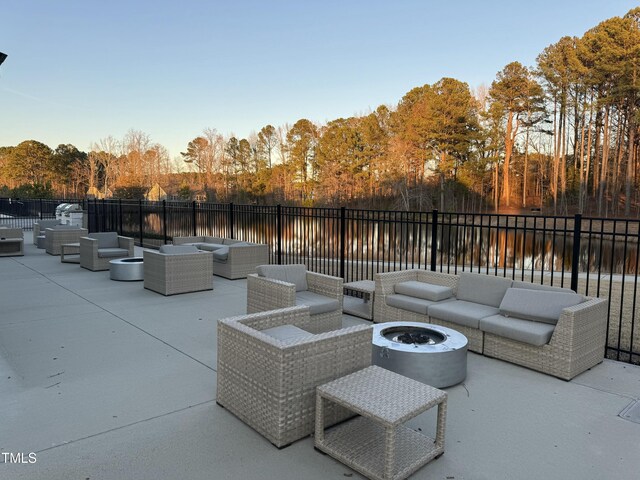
561	135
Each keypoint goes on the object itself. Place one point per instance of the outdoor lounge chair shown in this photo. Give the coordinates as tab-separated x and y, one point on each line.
177	269
269	366
281	286
98	249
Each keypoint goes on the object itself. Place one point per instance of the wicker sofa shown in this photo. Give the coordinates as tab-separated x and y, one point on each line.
232	258
281	286
548	329
269	367
177	269
98	249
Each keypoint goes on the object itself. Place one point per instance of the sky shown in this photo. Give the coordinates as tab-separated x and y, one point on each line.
79	71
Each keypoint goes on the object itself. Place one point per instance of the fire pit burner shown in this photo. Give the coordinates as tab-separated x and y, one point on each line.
428	353
411	335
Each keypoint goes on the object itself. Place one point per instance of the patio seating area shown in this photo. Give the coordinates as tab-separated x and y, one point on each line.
106	380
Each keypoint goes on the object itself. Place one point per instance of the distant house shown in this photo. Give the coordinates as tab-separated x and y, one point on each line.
155	193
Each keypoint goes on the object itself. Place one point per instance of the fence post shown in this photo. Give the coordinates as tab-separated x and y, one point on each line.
120	214
164	220
279	233
434	239
193	218
575	256
231	220
140	222
343	239
41	217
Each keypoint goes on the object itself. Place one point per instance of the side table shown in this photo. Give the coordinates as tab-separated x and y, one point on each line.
67	249
376	443
360	305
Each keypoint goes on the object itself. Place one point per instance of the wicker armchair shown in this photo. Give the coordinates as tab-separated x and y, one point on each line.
177	269
40	226
264	292
270	383
11	241
61	234
98	249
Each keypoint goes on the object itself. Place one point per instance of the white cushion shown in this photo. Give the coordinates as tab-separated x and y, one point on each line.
178	249
105	239
537	305
295	273
483	289
287	333
317	303
461	312
533	333
426	291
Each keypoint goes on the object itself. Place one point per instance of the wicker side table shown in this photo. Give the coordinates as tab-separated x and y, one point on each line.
376	443
67	249
361	304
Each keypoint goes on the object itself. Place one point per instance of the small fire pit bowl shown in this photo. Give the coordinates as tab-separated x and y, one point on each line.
428	353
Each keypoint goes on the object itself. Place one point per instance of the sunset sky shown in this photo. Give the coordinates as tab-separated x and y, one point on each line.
79	70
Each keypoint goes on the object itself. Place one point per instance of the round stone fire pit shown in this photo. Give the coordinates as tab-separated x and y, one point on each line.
428	353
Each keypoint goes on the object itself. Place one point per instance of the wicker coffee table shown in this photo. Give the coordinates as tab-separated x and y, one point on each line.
376	443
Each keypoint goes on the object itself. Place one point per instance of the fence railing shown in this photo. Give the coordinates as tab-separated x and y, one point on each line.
593	256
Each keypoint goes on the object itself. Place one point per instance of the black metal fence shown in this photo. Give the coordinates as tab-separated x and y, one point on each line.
593	256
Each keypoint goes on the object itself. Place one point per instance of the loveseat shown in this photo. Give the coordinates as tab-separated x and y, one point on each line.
232	258
550	329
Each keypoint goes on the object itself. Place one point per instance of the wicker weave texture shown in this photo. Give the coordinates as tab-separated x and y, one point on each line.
54	238
173	274
268	294
377	444
89	258
577	343
270	385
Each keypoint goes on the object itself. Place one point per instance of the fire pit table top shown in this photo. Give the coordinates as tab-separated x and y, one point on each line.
410	336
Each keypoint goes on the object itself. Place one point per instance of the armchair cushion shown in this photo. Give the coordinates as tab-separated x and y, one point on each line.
112	252
425	291
105	239
537	305
221	254
317	303
178	249
295	273
287	333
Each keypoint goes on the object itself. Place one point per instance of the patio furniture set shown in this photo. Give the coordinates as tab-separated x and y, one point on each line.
289	369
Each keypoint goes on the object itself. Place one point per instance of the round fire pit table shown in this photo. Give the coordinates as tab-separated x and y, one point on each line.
129	269
428	353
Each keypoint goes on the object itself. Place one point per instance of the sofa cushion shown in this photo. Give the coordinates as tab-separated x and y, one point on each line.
484	289
210	247
218	240
526	331
238	244
112	252
178	249
426	291
105	239
221	254
461	312
295	273
413	304
537	305
287	333
537	286
317	303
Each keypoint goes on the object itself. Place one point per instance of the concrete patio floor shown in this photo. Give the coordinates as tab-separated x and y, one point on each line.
106	380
